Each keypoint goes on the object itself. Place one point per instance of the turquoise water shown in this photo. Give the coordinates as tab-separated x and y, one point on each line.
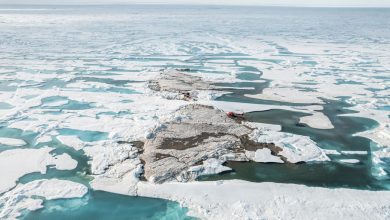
70	105
84	135
99	205
27	136
120	41
80	174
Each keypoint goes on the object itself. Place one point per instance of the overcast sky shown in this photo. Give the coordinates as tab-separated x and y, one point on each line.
321	3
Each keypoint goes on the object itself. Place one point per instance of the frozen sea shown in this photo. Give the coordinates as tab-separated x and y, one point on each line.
71	75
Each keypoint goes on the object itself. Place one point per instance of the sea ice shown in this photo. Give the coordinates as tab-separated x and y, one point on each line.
30	196
236	199
71	141
19	162
353	161
263	156
354	152
12	142
317	120
295	148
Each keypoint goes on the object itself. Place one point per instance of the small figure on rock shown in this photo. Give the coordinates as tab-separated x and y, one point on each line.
235	115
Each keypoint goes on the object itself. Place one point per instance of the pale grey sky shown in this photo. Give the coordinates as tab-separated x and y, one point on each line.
309	3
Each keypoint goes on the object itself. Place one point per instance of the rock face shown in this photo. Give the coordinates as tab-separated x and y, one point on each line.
198	145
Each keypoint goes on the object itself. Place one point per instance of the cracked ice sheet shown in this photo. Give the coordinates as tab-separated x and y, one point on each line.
222	200
290	79
263	156
142	107
380	135
295	148
24	196
115	167
305	148
19	162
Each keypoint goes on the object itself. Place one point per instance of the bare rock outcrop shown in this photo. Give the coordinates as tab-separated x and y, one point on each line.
200	138
178	85
198	145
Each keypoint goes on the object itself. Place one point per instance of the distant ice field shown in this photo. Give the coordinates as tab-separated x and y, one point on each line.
73	85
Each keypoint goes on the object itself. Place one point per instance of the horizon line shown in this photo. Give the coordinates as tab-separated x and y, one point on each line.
192	4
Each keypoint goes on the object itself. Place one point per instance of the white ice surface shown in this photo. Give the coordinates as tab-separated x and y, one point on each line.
263	156
71	141
352	161
295	148
19	162
292	81
24	196
63	162
262	126
114	166
12	142
354	152
244	107
237	199
317	120
56	103
209	166
331	152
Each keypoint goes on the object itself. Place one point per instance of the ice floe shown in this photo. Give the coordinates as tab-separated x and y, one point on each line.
30	196
352	161
331	152
20	162
263	156
315	69
295	148
12	142
354	152
71	141
317	120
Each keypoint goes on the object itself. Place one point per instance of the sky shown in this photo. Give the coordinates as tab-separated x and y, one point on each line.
308	3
